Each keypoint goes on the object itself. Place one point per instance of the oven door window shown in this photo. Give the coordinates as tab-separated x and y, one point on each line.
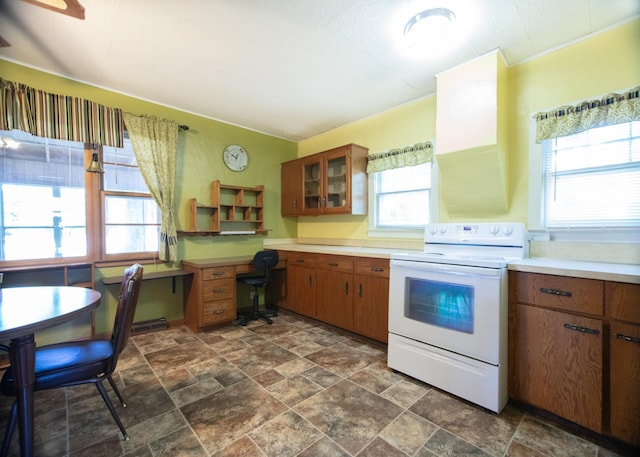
441	304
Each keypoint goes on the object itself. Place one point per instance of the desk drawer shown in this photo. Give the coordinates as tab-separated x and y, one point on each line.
218	311
218	273
219	289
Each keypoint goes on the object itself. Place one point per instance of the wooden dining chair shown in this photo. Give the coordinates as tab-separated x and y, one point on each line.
82	362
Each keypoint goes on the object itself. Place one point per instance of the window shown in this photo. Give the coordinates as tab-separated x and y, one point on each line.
131	215
402	200
48	203
592	179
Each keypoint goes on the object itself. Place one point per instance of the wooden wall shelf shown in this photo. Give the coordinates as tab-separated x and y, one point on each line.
233	210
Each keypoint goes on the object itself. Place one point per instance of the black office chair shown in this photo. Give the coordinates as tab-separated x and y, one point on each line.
82	362
263	262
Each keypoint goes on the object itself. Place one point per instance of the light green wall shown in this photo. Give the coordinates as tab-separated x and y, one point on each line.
605	62
199	162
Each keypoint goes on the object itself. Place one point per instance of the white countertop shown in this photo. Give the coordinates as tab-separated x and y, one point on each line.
357	251
620	272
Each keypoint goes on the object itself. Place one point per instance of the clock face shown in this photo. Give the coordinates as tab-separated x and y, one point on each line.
235	157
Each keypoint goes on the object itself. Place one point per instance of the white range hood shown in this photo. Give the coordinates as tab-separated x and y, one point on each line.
471	137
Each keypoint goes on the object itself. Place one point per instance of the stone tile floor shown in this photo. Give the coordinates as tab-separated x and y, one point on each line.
294	388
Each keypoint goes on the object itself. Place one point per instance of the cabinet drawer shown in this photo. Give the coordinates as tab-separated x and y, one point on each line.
335	262
218	311
623	301
305	260
372	267
562	292
218	273
219	289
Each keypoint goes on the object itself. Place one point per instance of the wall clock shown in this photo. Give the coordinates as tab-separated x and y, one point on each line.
235	157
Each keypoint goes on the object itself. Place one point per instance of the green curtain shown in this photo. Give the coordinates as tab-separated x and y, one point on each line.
58	116
16	107
568	120
154	142
400	157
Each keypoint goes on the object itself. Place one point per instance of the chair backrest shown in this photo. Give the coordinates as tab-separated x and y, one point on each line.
265	261
127	302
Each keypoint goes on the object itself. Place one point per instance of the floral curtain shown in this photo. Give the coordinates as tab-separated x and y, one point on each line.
569	120
58	116
400	157
154	142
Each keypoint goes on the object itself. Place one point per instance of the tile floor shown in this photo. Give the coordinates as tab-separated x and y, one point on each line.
294	388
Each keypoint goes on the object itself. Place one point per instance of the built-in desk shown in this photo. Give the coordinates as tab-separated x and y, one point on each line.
210	293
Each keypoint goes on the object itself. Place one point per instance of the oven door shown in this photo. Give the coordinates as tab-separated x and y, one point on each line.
457	308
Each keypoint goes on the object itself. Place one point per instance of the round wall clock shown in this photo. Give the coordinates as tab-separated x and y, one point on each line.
235	157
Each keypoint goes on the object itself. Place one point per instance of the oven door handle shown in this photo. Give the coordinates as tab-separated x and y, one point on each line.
425	267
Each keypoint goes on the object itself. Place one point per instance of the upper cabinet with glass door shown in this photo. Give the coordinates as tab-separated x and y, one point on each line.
331	182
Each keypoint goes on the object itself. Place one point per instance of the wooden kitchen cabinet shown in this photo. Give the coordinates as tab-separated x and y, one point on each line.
623	301
335	290
301	283
291	195
371	298
561	368
328	182
574	350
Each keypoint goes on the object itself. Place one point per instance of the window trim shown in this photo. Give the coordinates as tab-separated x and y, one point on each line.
535	200
434	204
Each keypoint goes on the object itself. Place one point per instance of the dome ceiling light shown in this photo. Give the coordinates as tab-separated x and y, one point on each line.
428	26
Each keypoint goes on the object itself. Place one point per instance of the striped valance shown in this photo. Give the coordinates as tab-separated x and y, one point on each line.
569	120
58	116
400	157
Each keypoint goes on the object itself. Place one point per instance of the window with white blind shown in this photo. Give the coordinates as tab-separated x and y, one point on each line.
592	179
402	202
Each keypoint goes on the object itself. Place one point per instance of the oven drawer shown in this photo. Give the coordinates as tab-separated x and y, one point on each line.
561	292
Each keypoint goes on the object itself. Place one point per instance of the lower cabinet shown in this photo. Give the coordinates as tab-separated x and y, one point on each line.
335	290
371	298
575	350
561	368
346	291
210	296
301	283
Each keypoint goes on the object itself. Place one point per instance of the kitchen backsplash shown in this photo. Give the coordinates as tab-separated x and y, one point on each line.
593	252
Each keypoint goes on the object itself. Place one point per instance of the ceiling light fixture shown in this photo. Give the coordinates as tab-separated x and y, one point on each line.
428	26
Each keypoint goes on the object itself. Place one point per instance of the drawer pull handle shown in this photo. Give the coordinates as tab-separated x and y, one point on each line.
631	339
577	328
219	311
561	293
218	273
219	290
377	269
300	260
360	290
346	288
333	264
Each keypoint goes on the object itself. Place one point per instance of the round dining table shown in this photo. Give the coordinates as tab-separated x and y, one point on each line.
23	311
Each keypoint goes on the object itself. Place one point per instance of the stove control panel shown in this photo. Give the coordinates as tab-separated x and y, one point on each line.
476	233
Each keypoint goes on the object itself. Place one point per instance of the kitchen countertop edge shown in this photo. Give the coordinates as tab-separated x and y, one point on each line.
619	272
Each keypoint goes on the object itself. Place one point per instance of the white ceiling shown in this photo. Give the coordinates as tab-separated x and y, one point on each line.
289	68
